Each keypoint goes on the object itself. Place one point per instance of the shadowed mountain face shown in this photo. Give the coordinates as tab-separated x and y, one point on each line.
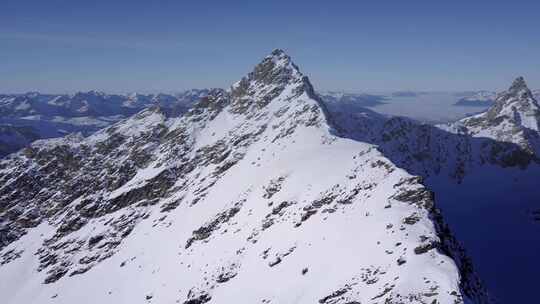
253	190
13	138
484	171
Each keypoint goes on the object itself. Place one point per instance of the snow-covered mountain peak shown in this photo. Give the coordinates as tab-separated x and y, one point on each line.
250	183
518	95
276	68
281	59
517	106
275	76
513	122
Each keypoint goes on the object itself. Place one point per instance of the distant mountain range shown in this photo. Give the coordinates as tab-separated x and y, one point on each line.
26	117
89	104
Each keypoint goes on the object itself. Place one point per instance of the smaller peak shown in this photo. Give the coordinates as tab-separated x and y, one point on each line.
518	90
516	104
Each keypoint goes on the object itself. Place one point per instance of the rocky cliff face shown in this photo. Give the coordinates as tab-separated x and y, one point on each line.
254	191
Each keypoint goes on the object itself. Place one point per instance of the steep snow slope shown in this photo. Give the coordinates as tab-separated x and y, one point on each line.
249	197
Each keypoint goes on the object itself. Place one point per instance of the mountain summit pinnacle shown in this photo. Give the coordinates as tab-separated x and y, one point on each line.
276	75
519	87
277	68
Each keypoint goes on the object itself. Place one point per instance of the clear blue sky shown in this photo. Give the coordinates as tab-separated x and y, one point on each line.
143	45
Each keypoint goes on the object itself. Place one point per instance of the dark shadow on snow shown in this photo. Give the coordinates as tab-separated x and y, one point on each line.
488	191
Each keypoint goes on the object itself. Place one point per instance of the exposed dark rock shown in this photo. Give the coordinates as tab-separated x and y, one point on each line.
204	232
201	299
334	295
